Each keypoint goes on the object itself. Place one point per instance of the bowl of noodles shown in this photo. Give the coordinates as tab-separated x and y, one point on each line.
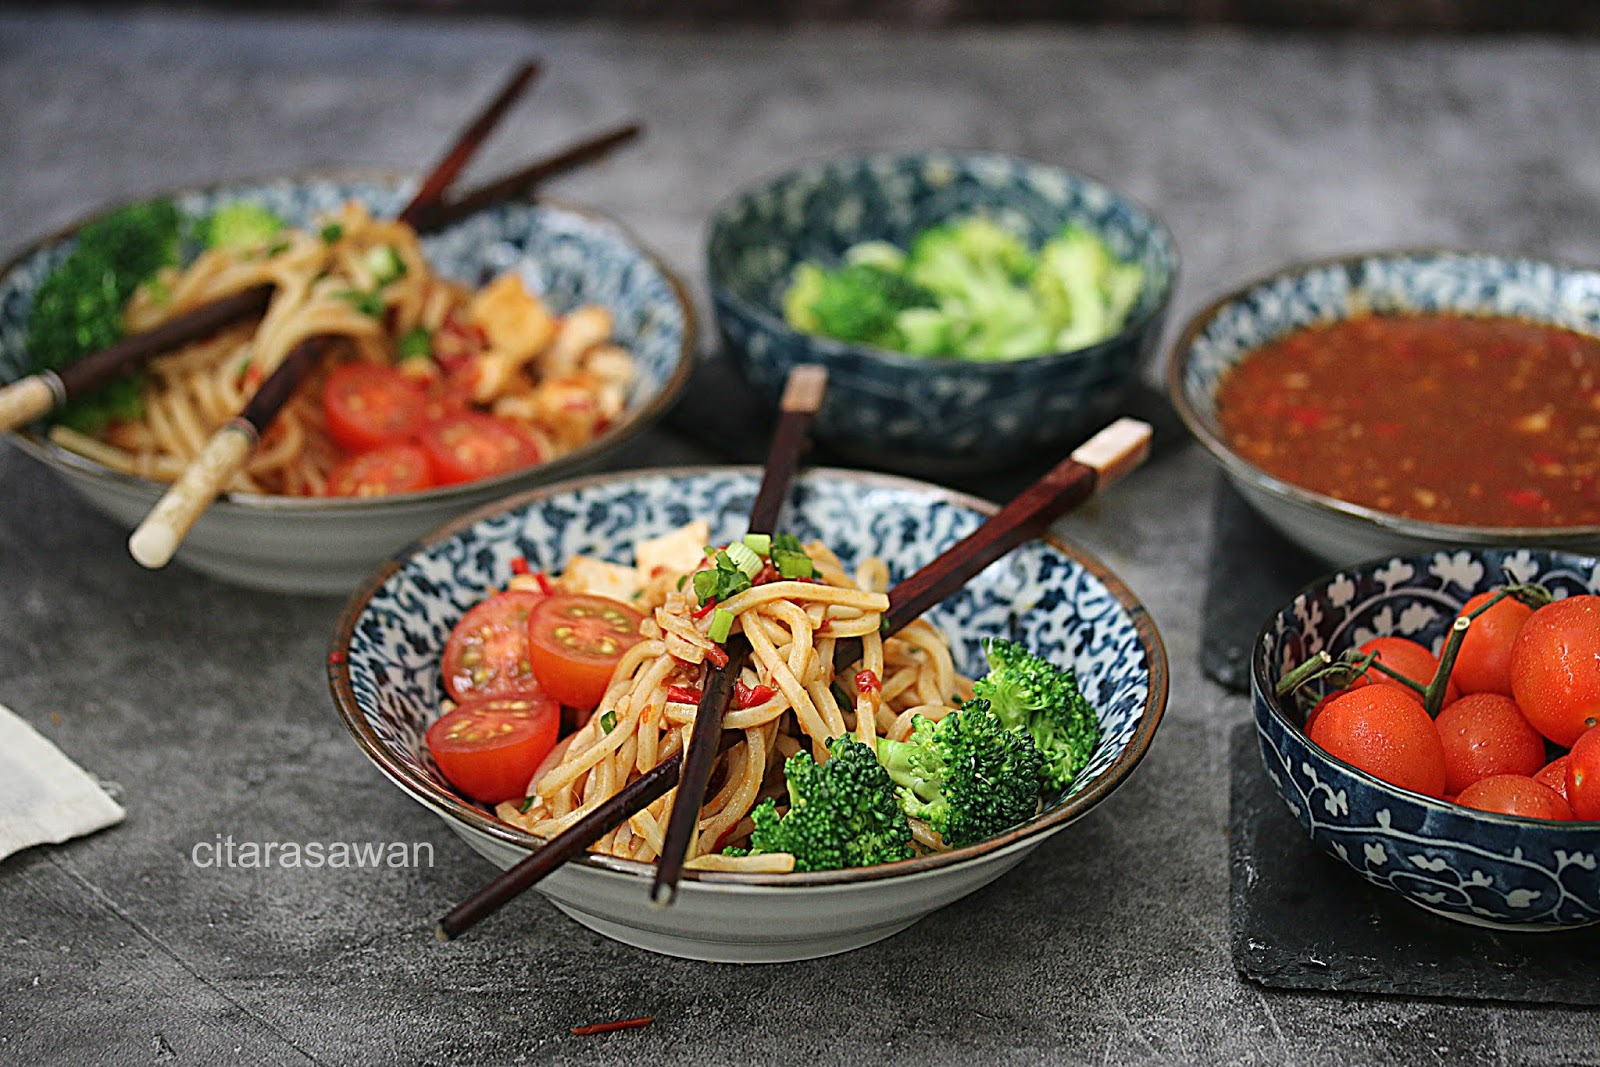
523	343
387	675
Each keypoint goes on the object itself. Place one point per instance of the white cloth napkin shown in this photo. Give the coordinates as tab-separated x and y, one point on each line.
44	796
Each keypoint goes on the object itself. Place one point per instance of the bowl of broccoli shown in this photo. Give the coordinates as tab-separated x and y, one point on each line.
1068	681
971	310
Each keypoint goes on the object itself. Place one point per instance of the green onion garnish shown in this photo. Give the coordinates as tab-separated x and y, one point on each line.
608	722
527	802
416	343
331	233
745	559
760	544
721	625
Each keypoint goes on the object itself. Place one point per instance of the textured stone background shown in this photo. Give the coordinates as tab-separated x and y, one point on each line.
207	705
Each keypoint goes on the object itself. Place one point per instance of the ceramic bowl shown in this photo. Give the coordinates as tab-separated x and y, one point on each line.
568	255
384	675
1478	867
1219	336
912	412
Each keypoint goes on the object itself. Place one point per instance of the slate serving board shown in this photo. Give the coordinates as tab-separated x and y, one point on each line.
1301	920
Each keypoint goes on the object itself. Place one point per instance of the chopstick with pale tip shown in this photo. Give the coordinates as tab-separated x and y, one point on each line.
39	394
1104	459
802	398
157	538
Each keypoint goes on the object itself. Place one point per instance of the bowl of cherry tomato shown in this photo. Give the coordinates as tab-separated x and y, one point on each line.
1433	722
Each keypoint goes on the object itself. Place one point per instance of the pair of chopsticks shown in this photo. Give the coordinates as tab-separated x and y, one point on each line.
1092	467
158	536
154	543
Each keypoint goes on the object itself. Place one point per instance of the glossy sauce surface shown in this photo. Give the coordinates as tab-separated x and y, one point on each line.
1445	418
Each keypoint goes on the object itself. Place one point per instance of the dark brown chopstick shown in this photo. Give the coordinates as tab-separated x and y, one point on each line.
431	192
1109	455
802	398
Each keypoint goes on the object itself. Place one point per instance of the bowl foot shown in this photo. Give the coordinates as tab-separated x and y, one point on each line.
1485	923
735	952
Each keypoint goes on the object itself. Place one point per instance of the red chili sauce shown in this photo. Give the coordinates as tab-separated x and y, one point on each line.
1446	418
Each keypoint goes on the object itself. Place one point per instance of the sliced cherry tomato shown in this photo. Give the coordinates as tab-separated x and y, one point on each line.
399	468
1583	775
1408	658
371	404
1513	794
490	747
487	653
1485	734
575	642
1483	665
1383	731
1554	775
470	445
1555	668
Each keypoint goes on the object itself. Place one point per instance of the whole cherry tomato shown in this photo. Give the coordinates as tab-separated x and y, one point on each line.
1513	794
1385	732
1555	668
1583	775
1554	775
1408	658
1483	665
1485	734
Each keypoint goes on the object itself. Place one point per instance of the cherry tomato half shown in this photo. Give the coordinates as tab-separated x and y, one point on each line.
470	445
1485	734
575	642
487	653
1483	664
1512	794
371	404
490	747
1583	775
1555	668
1383	731
398	468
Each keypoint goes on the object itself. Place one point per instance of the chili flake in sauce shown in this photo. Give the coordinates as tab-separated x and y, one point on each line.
1447	418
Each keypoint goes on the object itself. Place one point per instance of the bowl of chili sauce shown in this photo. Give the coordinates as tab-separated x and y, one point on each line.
1399	401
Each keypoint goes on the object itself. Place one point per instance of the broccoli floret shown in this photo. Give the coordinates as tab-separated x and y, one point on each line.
944	257
842	813
1028	691
240	224
857	302
968	775
1085	293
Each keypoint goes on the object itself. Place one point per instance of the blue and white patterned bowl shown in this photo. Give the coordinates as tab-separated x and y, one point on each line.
1479	867
384	675
1477	283
567	254
912	412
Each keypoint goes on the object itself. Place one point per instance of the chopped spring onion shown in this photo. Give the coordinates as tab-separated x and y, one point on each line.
608	722
721	625
745	559
416	343
332	232
385	264
527	802
760	544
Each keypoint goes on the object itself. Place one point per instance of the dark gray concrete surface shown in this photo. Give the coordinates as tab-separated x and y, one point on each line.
206	704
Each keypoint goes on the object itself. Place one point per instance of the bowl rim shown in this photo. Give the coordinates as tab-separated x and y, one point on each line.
1261	685
1178	359
51	454
453	808
833	348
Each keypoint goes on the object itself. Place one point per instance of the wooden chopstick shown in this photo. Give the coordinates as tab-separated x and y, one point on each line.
157	538
1109	455
802	398
38	394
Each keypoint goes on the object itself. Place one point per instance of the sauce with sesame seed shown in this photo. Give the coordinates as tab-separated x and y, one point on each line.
1476	421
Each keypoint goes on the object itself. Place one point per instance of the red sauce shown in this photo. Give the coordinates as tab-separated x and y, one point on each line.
1446	418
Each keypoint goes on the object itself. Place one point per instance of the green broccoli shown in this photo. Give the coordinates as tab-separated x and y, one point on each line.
240	224
1028	691
1085	293
842	813
78	308
857	302
968	775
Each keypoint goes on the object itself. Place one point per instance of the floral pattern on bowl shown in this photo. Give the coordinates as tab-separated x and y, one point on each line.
385	680
1478	867
1477	283
914	412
